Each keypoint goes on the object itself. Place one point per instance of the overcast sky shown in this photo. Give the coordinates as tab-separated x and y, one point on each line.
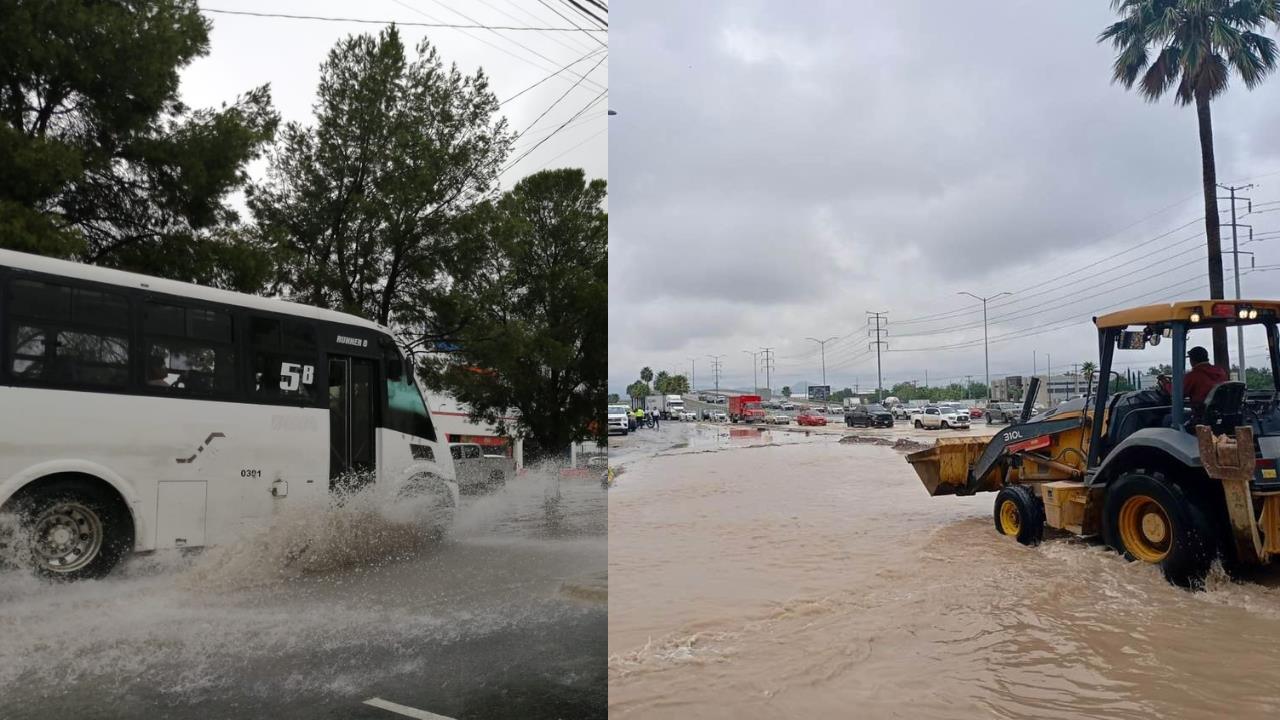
779	172
249	51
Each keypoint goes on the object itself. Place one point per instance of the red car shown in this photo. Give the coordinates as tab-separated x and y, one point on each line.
809	418
975	413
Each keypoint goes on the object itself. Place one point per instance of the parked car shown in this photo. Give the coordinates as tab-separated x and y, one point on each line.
810	418
477	472
619	419
1003	412
975	413
720	416
904	412
688	416
778	419
789	407
942	416
868	416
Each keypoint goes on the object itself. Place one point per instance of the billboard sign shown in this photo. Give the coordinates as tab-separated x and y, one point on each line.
819	393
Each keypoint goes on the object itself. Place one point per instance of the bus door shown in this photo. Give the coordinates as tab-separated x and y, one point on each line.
351	422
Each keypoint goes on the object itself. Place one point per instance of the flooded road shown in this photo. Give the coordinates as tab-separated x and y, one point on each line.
506	619
816	579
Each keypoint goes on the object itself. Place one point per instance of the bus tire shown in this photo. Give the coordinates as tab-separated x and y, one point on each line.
1019	513
75	529
1149	518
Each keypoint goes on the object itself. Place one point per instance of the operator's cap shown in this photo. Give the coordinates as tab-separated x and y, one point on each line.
1198	354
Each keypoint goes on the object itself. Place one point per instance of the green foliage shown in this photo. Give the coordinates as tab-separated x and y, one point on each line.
1191	46
1161	369
646	374
613	399
786	391
360	207
528	303
99	159
639	390
671	384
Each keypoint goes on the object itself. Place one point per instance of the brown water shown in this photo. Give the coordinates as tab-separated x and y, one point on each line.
818	580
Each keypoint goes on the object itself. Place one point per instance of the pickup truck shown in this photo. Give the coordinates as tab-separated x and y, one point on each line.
941	417
1003	412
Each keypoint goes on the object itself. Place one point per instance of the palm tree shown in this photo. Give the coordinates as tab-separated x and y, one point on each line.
646	374
1191	47
1087	368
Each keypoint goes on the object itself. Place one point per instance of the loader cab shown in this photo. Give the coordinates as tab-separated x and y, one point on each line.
1180	326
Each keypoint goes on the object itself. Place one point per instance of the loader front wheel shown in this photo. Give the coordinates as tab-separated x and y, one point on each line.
1019	514
1146	517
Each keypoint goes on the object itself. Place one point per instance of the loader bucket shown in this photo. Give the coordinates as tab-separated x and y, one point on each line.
944	468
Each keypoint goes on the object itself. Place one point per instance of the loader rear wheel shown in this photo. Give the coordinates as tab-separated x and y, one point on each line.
1019	514
919	425
1148	518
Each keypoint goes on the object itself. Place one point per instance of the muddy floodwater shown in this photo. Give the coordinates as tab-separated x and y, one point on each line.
783	576
327	609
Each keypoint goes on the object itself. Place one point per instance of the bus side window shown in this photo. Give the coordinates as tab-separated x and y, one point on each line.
284	357
189	351
62	335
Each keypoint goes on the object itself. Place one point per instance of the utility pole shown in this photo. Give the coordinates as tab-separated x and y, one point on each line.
986	353
1075	379
1033	363
822	347
1235	256
878	331
768	366
693	375
715	368
755	365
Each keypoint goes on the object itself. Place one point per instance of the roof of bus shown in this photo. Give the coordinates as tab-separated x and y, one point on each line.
1180	310
66	268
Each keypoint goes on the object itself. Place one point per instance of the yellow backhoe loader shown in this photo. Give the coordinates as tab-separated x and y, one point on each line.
1170	483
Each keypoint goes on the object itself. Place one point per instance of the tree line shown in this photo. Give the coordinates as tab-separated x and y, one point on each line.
385	204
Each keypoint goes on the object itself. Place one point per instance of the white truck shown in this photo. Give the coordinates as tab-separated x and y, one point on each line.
943	417
851	401
668	407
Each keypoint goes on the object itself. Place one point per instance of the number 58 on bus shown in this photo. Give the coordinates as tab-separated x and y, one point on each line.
138	413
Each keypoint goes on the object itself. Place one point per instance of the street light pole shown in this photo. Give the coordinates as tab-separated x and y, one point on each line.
822	348
755	367
693	374
986	353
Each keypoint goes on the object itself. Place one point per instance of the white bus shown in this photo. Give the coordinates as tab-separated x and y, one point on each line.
138	413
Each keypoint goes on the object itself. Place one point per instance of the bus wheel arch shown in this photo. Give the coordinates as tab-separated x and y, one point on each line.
86	524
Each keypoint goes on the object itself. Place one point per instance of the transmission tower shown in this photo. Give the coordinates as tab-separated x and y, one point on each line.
878	328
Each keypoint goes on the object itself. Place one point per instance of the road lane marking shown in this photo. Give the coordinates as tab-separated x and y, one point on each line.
404	710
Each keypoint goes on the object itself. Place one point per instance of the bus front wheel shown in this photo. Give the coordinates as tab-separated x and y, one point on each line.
71	529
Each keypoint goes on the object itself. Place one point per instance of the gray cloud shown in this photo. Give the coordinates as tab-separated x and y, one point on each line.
779	169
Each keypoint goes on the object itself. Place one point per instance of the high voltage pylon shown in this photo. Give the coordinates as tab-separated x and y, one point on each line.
715	368
878	331
1235	254
768	366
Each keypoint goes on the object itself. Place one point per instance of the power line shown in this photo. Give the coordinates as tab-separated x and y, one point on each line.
588	31
1060	276
585	108
589	15
479	39
554	74
366	21
562	97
